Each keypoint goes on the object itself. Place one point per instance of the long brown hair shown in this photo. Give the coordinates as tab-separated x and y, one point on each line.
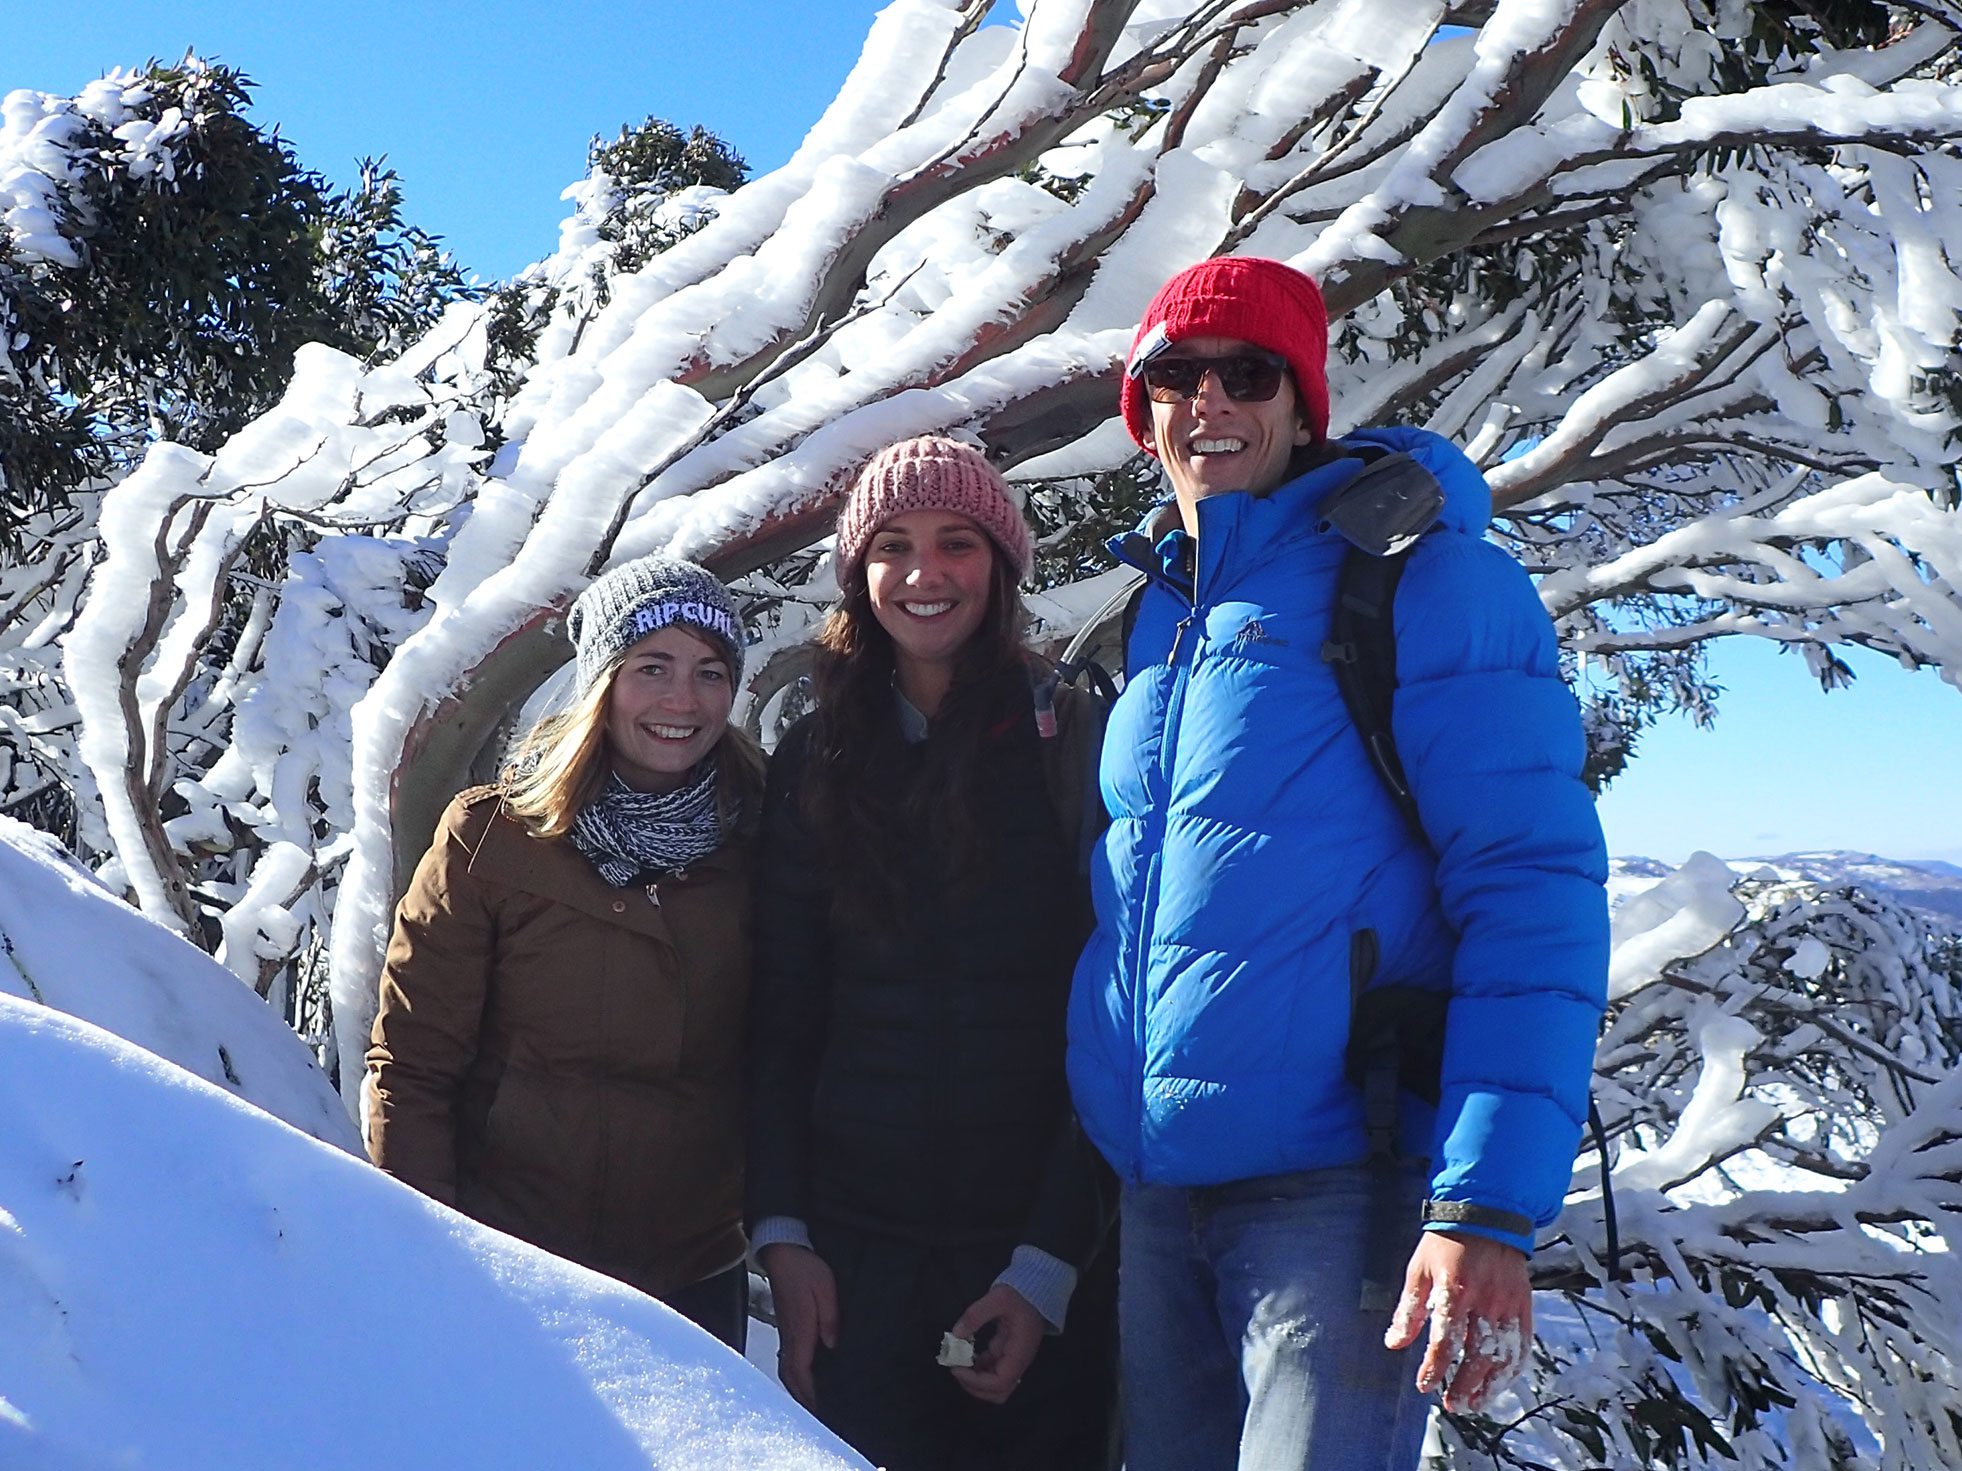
854	798
562	765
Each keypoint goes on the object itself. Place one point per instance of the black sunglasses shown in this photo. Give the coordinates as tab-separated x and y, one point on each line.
1245	377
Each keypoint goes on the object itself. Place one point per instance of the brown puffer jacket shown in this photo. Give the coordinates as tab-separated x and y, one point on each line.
561	1059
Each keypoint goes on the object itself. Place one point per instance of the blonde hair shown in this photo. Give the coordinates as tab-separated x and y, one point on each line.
562	765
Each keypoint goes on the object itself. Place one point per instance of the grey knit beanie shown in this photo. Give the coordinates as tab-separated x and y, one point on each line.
633	600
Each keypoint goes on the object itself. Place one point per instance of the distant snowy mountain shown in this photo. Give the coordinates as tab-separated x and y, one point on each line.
1930	888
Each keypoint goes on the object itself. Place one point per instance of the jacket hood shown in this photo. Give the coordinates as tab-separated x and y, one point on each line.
1467	498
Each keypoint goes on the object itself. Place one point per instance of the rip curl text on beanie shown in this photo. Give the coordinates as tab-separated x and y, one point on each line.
637	598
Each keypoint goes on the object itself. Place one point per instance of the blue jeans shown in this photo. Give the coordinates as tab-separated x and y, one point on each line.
1245	1340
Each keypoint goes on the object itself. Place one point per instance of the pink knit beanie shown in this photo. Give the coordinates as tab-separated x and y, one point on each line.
1260	301
931	474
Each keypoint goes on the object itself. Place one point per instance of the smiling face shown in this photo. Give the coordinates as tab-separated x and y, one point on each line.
930	575
667	707
1210	443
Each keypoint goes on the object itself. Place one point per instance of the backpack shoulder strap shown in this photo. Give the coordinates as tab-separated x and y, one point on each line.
1070	731
1129	622
1361	649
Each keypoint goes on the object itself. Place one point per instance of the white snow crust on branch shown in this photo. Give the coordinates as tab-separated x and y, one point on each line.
39	137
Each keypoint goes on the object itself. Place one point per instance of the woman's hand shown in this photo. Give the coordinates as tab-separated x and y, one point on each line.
1018	1334
1479	1301
806	1297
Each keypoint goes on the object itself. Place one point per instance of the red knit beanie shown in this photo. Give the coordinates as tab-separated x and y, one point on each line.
1258	301
931	474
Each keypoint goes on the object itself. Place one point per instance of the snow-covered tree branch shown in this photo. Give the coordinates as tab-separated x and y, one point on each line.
1767	1283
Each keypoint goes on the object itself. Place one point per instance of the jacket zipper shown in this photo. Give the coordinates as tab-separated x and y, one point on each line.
1174	708
1178	639
603	1173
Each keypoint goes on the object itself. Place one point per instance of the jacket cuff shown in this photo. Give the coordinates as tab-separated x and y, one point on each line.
776	1231
1043	1281
1506	1227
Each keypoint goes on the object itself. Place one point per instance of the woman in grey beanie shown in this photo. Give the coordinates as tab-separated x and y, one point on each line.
559	1046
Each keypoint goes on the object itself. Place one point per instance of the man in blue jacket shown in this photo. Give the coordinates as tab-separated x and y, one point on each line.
1258	875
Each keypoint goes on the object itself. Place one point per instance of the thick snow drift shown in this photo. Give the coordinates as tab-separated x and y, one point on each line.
187	1282
69	943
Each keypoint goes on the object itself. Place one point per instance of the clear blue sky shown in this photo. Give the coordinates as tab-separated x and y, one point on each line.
485	111
1876	768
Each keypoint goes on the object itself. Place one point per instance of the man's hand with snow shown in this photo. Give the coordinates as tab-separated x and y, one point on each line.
1478	1300
806	1297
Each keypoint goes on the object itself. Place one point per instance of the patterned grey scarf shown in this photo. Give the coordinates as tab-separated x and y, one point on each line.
624	833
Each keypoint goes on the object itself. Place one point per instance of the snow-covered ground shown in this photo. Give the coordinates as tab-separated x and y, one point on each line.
188	1282
71	944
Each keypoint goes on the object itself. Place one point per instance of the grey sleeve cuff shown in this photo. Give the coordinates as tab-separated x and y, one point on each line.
776	1231
1046	1282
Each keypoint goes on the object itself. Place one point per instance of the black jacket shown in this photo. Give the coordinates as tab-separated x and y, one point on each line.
907	1077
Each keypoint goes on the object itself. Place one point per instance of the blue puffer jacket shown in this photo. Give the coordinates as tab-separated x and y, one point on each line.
1250	838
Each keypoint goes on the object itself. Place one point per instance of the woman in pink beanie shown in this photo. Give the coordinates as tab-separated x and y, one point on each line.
915	1170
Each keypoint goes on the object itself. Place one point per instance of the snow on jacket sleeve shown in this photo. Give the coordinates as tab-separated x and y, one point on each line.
1491	739
433	986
